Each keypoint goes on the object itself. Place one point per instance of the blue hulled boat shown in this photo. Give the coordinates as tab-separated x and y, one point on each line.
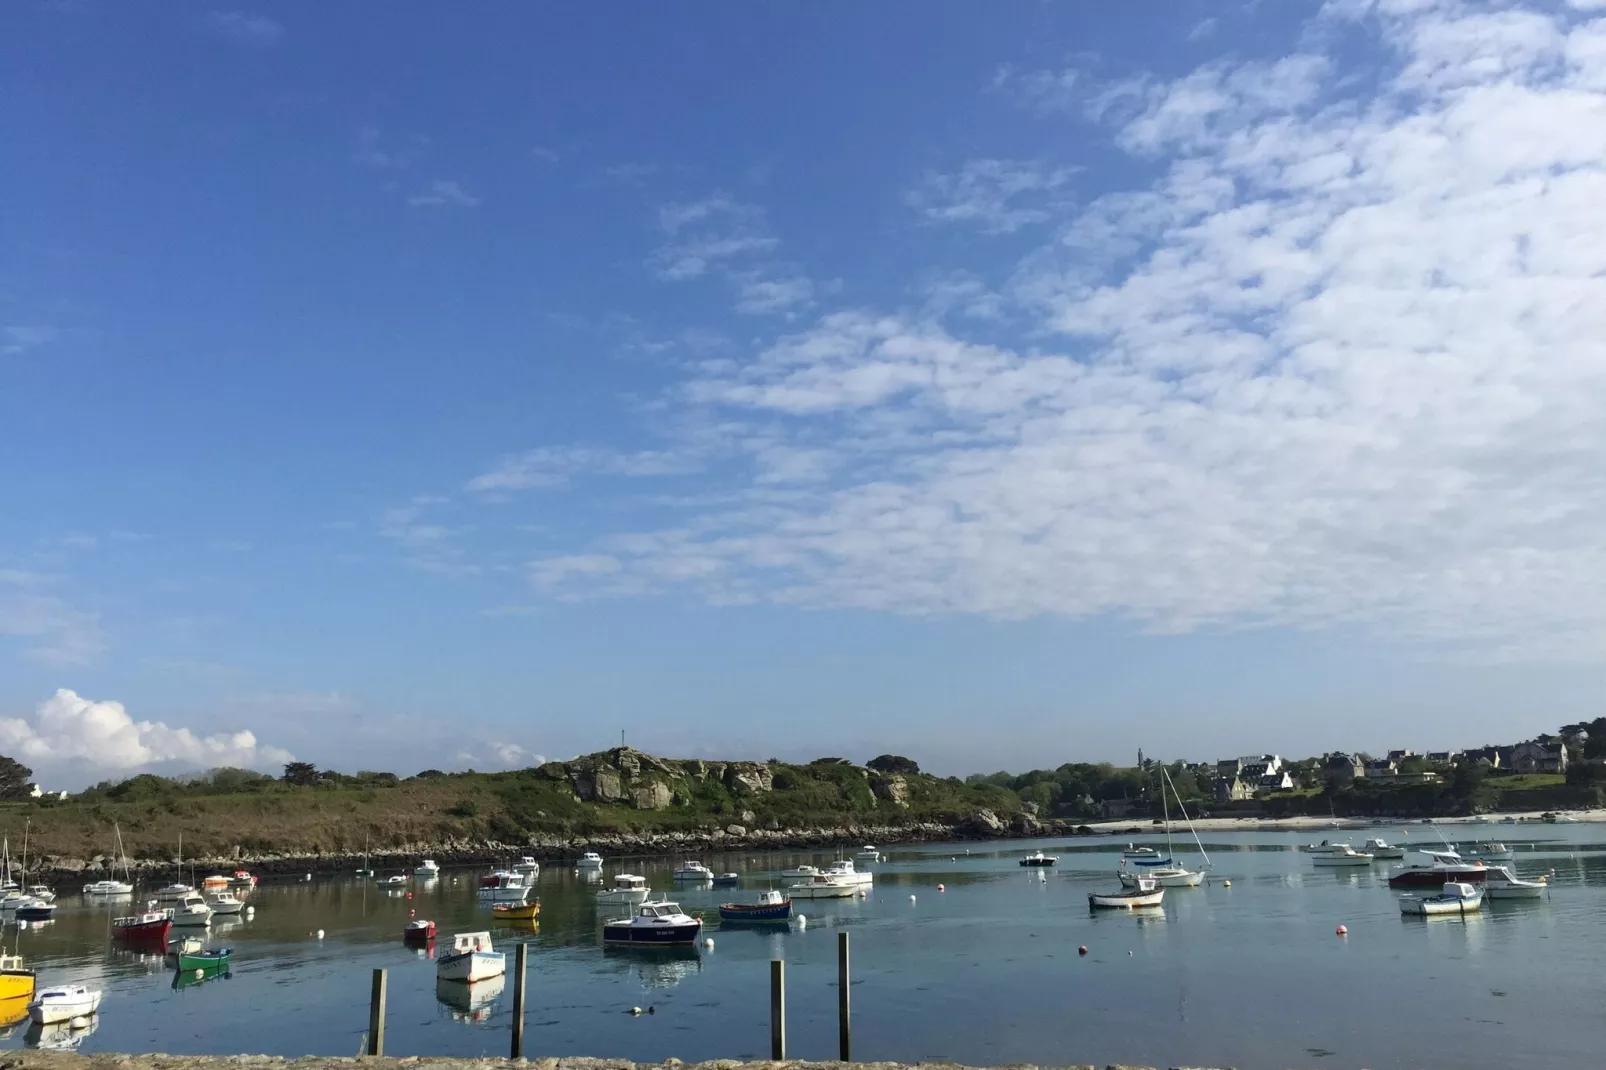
657	924
771	906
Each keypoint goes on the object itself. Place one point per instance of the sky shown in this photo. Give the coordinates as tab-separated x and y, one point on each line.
1001	385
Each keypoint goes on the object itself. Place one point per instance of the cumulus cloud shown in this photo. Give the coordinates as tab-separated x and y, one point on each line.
68	728
494	754
1342	364
245	28
996	196
443	192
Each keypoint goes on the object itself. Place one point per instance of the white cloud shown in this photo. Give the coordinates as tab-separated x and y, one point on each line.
553	467
443	192
372	151
68	728
786	296
997	196
707	234
1343	364
17	339
245	28
492	755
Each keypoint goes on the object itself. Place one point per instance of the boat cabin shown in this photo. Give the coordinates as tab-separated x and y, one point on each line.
465	942
629	882
769	897
662	912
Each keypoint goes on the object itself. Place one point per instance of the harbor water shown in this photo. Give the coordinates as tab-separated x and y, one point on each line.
985	971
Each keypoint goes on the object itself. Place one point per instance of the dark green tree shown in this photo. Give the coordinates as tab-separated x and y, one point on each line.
16	780
303	774
893	763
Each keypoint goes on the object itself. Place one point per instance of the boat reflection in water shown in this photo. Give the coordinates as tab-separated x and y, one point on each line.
60	1036
470	1001
665	967
191	978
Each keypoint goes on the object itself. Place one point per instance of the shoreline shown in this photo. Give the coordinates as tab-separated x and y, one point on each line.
35	1059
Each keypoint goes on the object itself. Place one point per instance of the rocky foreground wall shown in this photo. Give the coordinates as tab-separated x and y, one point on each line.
43	1060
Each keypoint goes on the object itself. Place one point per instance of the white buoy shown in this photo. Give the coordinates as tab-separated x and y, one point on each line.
199	973
250	911
911	899
709	943
802	921
635	1010
320	934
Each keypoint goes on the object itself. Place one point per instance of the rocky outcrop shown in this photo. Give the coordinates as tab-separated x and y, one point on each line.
894	789
984	823
653	795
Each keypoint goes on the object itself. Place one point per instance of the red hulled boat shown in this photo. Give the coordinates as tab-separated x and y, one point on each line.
1446	867
150	927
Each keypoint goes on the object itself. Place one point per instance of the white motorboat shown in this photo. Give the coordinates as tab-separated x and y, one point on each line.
1164	876
868	853
1134	853
504	887
801	872
108	888
822	886
589	860
628	890
427	870
470	959
843	871
1456	898
173	893
1038	858
63	1003
1491	852
191	910
1344	855
225	903
42	893
1148	893
1502	883
397	881
1326	848
693	871
659	924
527	867
1382	849
12	900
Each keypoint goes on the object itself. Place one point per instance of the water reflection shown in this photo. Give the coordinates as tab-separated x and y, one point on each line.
61	1036
470	1002
662	967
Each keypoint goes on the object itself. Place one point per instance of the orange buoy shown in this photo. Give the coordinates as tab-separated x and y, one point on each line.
1342	930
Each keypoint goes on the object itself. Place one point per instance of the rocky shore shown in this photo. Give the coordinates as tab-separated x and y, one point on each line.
44	1060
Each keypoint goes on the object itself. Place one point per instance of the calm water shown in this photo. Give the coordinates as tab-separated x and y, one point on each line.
986	972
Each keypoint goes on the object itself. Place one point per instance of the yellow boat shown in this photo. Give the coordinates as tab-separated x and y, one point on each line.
517	911
15	982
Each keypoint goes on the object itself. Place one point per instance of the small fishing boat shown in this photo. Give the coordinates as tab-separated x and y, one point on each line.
217	882
589	860
427	870
1508	820
150	927
1456	898
107	889
527	867
421	931
1148	893
42	892
1326	848
843	871
192	910
628	890
1442	867
692	872
214	959
225	903
172	893
656	924
868	853
1164	876
397	881
727	880
1038	858
803	872
517	911
1502	883
771	906
243	879
508	888
1134	853
1491	852
471	959
63	1003
1382	849
1345	855
36	910
16	982
822	886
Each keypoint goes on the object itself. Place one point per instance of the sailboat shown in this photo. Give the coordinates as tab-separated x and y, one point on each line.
1169	875
114	887
176	891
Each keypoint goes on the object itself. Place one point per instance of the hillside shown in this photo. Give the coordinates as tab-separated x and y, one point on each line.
620	797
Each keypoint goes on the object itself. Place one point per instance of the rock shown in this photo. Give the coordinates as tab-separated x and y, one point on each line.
772	825
1029	808
984	823
894	789
748	778
747	817
652	795
735	830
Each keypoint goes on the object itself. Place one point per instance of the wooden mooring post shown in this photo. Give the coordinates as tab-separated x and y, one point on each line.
777	1010
376	1015
518	999
844	1025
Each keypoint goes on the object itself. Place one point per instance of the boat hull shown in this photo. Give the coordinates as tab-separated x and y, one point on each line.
17	984
36	913
1179	879
624	934
64	1010
750	912
1438	906
1341	861
821	891
518	912
616	897
1436	878
204	960
1038	862
470	966
1125	900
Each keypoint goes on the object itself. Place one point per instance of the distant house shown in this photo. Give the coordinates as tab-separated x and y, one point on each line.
1229	767
1341	768
1490	757
1232	789
1272	762
1381	769
1397	756
1255	771
1444	757
1120	807
1537	756
1274	782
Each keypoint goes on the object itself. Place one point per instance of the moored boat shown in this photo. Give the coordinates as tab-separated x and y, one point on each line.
655	924
1325	848
1148	893
419	931
693	872
108	889
427	870
1457	897
244	879
1164	876
150	927
508	888
527	867
213	959
172	893
771	906
191	910
35	910
868	853
1502	883
217	882
517	911
803	871
16	981
842	870
1038	858
63	1003
1344	855
727	880
628	890
471	959
1491	852
399	880
1134	853
1442	867
589	860
1379	848
822	886
225	903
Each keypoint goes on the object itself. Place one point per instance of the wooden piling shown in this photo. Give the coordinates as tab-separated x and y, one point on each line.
518	999
376	1016
777	1010
844	1025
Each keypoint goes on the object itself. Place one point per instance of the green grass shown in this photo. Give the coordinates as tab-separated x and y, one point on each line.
1525	781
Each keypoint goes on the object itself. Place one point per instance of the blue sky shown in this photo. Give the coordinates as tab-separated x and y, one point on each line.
1002	387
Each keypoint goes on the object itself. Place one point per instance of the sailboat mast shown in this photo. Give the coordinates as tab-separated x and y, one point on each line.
1165	808
1196	841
